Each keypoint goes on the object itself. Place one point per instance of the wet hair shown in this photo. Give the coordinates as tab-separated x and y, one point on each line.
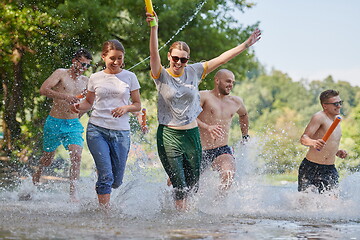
82	53
325	95
112	45
180	45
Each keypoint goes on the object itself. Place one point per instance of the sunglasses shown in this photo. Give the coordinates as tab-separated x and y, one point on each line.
85	65
182	60
336	104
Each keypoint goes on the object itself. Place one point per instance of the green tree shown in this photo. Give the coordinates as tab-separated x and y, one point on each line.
39	36
279	110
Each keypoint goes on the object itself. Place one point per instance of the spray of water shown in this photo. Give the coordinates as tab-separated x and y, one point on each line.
144	204
197	10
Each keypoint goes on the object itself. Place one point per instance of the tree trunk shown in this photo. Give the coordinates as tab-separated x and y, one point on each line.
13	98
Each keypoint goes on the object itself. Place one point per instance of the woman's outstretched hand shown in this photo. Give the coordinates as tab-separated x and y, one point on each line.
254	37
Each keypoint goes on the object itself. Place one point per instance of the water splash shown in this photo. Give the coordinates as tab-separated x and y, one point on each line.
143	206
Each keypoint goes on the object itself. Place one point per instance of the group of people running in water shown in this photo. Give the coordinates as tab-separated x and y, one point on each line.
194	125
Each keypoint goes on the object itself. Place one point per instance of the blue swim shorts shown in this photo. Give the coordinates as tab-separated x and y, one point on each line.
62	131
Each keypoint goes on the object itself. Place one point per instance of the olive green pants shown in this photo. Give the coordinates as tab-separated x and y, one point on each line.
180	154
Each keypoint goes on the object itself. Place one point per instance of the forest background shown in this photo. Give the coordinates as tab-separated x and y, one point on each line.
37	37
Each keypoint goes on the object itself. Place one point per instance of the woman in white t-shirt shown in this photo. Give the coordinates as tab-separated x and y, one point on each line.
108	131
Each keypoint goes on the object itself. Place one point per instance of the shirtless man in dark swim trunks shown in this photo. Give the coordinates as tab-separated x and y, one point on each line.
318	168
214	122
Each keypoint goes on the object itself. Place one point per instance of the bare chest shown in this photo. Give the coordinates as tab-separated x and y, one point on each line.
71	86
220	110
335	135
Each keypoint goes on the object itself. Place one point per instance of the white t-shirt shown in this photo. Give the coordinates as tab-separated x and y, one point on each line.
111	91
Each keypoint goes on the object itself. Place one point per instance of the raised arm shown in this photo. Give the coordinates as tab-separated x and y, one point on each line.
230	54
46	88
155	61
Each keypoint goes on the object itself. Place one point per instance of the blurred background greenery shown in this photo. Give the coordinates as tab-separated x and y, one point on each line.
38	37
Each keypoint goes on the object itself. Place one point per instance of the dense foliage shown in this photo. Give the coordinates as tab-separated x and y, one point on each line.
279	110
39	36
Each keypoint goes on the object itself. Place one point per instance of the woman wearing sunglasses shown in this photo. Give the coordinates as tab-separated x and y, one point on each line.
178	138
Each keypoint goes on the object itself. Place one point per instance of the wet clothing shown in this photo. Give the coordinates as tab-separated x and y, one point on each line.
111	91
62	131
180	154
178	96
178	105
209	155
323	177
109	149
108	137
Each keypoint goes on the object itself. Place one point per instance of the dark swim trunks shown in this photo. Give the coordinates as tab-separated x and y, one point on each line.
323	177
208	156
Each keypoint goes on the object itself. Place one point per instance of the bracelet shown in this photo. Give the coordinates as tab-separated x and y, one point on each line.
246	137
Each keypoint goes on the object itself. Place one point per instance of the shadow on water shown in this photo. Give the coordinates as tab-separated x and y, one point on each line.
142	208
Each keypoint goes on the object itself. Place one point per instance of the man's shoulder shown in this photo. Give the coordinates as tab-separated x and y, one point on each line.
204	92
319	116
235	100
61	72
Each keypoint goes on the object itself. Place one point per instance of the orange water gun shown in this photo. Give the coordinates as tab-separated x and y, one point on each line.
143	118
331	128
82	95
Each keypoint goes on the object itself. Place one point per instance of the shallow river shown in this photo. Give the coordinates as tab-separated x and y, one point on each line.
142	209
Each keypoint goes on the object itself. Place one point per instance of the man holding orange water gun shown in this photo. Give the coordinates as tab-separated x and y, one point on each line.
322	135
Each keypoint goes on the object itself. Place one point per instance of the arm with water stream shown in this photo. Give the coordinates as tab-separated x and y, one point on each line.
155	61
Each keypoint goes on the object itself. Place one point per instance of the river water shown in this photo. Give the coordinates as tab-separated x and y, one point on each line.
142	208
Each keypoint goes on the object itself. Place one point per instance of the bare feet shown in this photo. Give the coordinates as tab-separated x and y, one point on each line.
36	177
169	182
181	205
104	201
74	198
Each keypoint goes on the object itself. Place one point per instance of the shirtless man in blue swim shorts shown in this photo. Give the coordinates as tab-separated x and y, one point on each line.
214	122
318	170
63	126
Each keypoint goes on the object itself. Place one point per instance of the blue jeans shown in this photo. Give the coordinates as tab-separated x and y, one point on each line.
109	149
